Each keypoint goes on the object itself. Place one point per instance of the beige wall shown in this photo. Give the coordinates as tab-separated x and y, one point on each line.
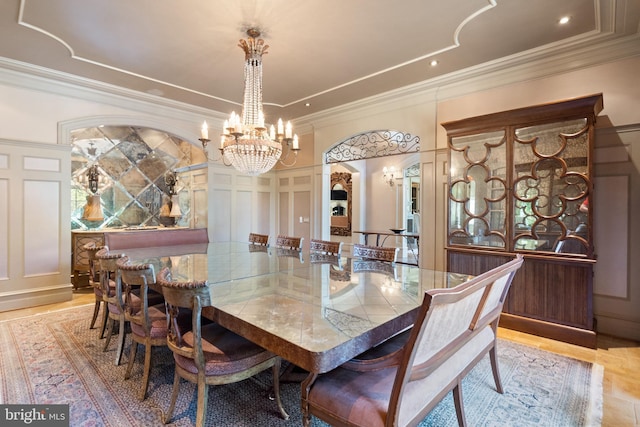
36	110
615	157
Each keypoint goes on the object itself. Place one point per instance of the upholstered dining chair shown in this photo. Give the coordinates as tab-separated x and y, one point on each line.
148	321
208	354
399	382
259	239
379	253
325	247
289	242
94	279
112	298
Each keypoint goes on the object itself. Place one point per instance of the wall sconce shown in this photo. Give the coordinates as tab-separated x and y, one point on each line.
389	175
170	180
93	209
93	176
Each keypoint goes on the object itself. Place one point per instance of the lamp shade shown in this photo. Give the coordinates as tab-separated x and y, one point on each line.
93	209
175	207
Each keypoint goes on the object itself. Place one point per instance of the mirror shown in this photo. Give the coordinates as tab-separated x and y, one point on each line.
477	194
551	185
127	186
340	204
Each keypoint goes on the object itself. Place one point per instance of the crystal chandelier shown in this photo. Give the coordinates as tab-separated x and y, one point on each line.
246	142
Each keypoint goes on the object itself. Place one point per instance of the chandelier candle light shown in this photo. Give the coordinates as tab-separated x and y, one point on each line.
246	143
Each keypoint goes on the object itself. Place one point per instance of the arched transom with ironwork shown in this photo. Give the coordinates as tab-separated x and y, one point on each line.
372	144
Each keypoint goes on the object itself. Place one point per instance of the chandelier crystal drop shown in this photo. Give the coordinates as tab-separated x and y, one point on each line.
246	143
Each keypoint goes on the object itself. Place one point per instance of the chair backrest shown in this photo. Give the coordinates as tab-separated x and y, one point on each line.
375	252
107	261
325	247
448	318
119	240
288	242
259	239
94	272
184	296
131	275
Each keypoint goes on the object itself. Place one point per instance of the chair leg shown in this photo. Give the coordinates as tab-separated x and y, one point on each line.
148	348
96	310
305	387
457	400
276	388
174	396
110	325
105	319
132	357
121	337
495	369
203	397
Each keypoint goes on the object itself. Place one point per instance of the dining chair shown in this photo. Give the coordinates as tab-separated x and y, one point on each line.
379	253
208	354
325	247
259	239
288	242
112	297
400	381
94	280
148	321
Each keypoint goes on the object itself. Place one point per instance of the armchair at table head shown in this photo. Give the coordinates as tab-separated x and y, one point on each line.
208	354
259	239
379	253
288	242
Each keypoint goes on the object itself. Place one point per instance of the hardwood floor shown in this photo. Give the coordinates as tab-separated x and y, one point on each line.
620	359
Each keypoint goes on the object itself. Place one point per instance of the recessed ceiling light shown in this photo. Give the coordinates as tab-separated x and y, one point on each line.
564	20
307	104
434	63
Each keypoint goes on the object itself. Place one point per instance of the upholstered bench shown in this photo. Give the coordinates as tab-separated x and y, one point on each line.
400	381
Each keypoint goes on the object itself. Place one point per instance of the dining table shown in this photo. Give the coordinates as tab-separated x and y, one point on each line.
313	310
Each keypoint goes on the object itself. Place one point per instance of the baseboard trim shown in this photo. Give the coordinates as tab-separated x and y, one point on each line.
568	334
35	297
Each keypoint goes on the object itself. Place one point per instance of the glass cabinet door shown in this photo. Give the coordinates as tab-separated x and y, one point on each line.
521	187
551	187
478	190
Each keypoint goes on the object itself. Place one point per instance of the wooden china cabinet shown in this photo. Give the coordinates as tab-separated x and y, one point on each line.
520	182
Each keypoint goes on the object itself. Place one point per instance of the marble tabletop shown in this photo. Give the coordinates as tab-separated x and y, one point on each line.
315	312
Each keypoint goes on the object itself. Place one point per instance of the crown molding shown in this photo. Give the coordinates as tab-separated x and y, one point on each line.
33	77
581	53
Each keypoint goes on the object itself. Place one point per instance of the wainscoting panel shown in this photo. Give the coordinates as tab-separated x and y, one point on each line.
611	200
35	249
243	215
221	215
4	229
41	224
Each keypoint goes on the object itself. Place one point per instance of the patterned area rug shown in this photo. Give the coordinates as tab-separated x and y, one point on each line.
56	358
